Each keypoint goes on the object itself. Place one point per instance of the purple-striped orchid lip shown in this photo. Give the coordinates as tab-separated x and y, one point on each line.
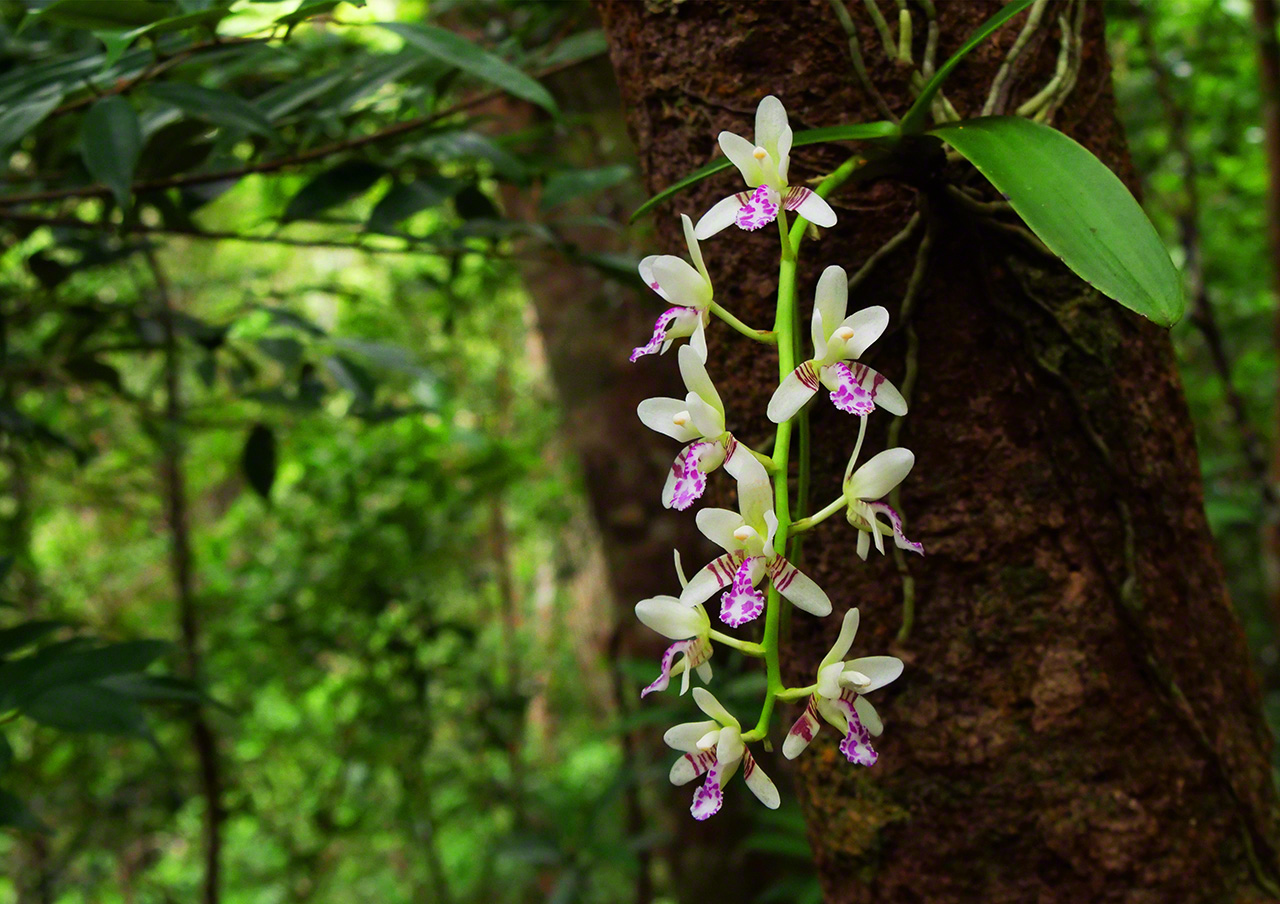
696	650
742	602
856	745
665	329
849	394
759	208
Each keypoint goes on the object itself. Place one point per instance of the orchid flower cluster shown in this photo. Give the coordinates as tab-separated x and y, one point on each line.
755	536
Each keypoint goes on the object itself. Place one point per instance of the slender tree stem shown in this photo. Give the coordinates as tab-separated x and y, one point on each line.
765	336
819	516
744	646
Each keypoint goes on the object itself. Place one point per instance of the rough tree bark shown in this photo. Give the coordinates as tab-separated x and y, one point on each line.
1078	720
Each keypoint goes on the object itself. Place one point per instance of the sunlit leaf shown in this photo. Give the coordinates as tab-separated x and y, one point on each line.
458	51
338	185
404	199
914	120
1079	209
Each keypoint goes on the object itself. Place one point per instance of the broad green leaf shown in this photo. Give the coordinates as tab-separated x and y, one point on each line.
344	182
110	140
20	117
259	460
914	120
458	51
404	199
859	131
207	18
468	146
88	707
562	187
1078	208
71	663
218	107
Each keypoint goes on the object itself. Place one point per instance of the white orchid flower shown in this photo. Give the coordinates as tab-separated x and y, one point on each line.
689	627
763	165
698	420
839	699
688	289
874	480
747	538
715	747
837	340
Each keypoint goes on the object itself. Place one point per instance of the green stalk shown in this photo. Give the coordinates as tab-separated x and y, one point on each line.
786	334
758	335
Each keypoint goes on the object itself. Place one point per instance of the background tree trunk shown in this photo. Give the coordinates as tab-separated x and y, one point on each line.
1078	720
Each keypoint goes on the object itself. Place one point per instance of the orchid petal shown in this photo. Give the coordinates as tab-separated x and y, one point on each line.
868	325
742	602
693	764
742	154
856	745
755	495
868	716
684	737
714	575
792	394
799	588
673	323
880	669
829	680
658	414
811	206
877	477
710	423
718	525
830	300
697	380
895	524
758	210
646	273
803	730
698	341
709	797
707	702
848	631
667	668
729	752
721	216
670	618
864	545
760	784
832	714
687	481
773	133
695	252
681	282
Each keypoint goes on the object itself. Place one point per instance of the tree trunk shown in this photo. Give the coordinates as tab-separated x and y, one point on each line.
1078	720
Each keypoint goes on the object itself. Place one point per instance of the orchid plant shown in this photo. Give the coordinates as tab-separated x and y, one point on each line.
759	538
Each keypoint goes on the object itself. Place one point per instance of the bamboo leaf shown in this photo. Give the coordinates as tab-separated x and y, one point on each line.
458	51
110	141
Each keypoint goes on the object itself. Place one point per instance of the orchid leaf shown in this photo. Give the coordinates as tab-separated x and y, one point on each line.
1077	207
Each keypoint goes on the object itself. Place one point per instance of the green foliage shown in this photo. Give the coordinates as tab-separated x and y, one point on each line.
1077	207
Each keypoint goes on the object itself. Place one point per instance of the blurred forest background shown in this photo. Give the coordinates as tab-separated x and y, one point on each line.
303	599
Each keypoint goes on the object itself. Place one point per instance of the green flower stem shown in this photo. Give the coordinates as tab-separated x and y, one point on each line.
760	457
785	333
765	336
796	693
819	516
745	646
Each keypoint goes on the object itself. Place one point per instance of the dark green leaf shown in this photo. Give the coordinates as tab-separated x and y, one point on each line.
1077	207
575	48
218	107
155	688
259	460
91	370
71	663
859	131
469	146
15	814
97	15
88	707
23	115
915	119
205	18
404	199
562	187
458	51
473	204
342	183
310	10
110	140
25	634
351	377
6	754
